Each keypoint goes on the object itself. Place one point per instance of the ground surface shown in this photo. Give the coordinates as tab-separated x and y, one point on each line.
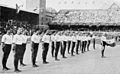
87	63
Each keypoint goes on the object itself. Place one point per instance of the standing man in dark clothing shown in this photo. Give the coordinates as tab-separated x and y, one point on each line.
6	47
73	37
53	42
25	38
34	48
78	44
89	41
46	41
57	38
17	47
64	39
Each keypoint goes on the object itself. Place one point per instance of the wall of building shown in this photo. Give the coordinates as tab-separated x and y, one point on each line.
32	5
12	3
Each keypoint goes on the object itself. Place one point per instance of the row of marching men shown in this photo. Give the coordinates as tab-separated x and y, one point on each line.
60	40
69	41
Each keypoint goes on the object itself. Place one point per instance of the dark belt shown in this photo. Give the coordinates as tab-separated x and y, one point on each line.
8	44
18	45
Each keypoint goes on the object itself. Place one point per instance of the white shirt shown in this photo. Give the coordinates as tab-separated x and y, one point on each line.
46	38
57	38
83	38
52	37
69	38
89	38
7	39
74	38
17	39
25	38
64	38
77	37
36	38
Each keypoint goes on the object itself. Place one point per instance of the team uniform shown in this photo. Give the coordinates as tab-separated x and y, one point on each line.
46	41
17	40
35	44
73	39
57	38
69	44
25	38
83	38
78	44
53	42
88	42
7	41
64	41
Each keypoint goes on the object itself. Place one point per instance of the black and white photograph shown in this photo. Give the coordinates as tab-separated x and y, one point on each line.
59	36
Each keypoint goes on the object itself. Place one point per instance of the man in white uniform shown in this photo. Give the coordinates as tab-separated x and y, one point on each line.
73	38
53	42
57	39
25	38
6	43
17	47
36	38
46	41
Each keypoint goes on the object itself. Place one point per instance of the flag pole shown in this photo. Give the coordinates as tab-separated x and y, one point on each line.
42	9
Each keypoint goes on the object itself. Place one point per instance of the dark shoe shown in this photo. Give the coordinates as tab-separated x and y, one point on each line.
77	53
72	55
35	65
64	57
57	59
45	62
17	70
103	57
6	68
23	64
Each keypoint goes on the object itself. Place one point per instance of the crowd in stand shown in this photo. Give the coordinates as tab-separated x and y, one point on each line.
13	25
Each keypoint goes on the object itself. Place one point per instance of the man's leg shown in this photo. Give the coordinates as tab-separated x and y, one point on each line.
53	47
44	53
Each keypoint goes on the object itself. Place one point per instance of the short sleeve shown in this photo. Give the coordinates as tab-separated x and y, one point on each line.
32	38
3	38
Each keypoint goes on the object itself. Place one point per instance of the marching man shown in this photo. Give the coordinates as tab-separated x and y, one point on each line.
36	37
107	41
6	47
46	42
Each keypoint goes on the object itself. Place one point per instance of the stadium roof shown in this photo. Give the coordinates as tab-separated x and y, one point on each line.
2	5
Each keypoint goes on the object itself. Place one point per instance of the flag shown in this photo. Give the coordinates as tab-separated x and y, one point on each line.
18	8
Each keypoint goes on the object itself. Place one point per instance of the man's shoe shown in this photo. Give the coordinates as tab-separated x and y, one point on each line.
57	59
17	70
45	62
72	55
64	57
6	68
103	56
23	64
35	65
